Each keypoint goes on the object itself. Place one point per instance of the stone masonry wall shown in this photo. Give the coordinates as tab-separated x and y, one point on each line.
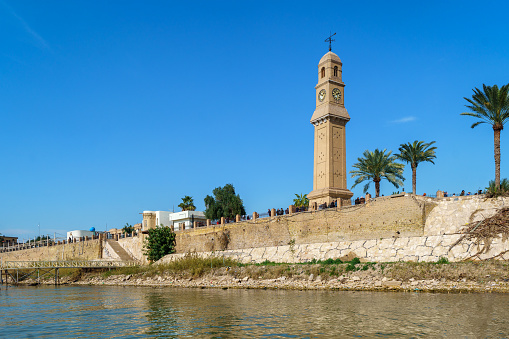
453	214
445	219
134	246
428	228
417	249
85	250
383	218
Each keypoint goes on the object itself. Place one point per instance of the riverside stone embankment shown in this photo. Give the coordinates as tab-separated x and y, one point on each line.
428	230
491	276
387	229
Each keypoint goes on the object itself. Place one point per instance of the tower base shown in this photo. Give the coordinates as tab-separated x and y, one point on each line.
327	195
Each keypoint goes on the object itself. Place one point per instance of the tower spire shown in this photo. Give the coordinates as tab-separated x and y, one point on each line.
330	40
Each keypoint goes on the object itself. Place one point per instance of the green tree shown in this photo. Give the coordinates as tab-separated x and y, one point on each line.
187	204
127	229
301	200
375	166
415	153
159	242
491	106
224	203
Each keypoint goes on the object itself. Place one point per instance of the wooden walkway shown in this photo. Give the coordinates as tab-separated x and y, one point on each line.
16	271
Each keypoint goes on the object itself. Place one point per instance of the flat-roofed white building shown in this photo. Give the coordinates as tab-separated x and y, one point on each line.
179	220
184	220
76	234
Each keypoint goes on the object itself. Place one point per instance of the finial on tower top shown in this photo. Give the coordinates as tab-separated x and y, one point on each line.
330	40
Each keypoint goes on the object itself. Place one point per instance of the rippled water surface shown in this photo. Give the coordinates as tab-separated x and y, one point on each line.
130	312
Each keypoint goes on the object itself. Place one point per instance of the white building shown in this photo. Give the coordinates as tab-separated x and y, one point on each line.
79	233
185	219
179	220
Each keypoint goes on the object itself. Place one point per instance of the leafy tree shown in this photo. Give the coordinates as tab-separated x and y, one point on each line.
127	229
225	203
491	106
40	238
160	242
375	166
187	204
301	200
415	153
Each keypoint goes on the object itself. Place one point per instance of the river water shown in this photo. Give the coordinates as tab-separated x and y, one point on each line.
141	312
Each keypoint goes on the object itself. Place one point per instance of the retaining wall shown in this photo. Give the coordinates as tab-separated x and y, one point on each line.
383	218
445	219
134	246
85	250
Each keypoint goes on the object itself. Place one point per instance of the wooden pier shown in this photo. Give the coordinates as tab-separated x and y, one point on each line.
15	271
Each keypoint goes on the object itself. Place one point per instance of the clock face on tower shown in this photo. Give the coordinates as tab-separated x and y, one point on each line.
321	95
336	93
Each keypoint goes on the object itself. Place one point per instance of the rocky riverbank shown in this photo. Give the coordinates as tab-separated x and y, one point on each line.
410	277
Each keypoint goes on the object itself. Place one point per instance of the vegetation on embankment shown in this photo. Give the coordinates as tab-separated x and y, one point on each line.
192	271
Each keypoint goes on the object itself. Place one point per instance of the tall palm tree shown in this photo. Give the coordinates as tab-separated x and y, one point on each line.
415	153
375	166
301	200
491	106
187	204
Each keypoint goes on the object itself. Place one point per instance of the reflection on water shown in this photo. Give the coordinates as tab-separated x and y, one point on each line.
130	312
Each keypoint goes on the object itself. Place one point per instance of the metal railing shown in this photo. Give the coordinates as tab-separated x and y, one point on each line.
67	264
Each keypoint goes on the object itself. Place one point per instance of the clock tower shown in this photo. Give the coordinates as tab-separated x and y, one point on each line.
329	119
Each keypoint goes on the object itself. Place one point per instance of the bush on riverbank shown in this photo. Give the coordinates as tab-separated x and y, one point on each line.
190	265
479	271
194	267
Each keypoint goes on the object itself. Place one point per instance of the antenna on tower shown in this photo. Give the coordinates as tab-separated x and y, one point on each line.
330	40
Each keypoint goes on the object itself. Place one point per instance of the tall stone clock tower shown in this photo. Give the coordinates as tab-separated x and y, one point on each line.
330	118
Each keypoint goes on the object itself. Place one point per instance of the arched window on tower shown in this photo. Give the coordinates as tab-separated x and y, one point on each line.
323	72
335	71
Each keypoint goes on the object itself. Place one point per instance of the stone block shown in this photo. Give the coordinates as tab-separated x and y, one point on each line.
391	283
411	258
271	253
332	254
369	244
433	241
401	242
258	254
423	251
440	251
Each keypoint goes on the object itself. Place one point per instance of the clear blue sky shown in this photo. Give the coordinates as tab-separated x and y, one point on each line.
109	108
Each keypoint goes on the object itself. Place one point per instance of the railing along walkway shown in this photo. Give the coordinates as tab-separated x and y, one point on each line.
66	264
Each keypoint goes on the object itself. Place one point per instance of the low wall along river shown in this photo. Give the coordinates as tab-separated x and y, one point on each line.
404	227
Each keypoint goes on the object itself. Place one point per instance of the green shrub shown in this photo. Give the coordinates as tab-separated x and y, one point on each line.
443	260
355	261
492	191
350	267
160	242
331	261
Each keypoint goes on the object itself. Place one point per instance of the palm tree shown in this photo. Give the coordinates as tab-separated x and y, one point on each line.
495	191
376	166
415	153
491	106
187	204
301	200
127	228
